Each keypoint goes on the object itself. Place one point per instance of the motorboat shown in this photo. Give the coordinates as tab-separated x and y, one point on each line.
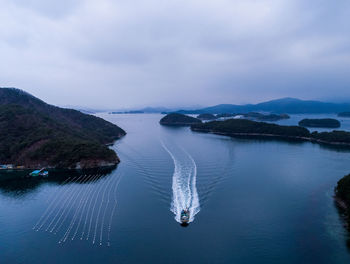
185	217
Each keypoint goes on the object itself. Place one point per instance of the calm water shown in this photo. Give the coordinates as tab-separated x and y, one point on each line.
251	201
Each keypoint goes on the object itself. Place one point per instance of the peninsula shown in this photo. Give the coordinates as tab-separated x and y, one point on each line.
35	134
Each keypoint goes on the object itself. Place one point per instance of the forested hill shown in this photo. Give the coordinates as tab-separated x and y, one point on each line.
36	134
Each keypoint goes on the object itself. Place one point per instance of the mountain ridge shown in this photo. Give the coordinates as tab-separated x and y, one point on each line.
283	105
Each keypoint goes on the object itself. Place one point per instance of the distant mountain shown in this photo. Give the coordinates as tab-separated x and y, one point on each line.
35	134
284	105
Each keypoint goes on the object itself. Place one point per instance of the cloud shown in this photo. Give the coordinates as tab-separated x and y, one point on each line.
133	53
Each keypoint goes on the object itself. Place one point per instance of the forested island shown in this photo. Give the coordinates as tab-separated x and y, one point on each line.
35	134
176	119
249	128
321	123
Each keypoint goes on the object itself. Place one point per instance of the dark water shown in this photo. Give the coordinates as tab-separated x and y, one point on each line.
251	201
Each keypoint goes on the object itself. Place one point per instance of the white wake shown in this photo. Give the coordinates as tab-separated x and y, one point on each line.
185	195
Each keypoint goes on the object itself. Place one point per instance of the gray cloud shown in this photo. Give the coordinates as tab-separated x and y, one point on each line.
134	53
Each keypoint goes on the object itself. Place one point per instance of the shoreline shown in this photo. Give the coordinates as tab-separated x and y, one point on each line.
343	210
110	165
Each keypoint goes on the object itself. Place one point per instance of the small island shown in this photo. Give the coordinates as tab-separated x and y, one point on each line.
206	117
35	134
249	128
176	119
344	114
321	123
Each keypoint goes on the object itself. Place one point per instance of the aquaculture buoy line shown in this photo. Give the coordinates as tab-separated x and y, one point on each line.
83	210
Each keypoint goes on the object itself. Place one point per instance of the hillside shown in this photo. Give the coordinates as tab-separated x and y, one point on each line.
35	134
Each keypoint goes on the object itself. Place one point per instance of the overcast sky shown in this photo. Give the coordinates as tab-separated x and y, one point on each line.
133	53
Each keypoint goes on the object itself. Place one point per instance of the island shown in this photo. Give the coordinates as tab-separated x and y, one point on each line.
206	116
176	119
249	128
35	134
321	123
344	114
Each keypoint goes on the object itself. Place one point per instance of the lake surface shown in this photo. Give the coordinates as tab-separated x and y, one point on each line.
250	201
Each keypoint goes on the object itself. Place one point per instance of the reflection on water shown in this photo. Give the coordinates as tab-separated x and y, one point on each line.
17	184
185	195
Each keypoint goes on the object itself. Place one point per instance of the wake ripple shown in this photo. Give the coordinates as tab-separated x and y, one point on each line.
185	195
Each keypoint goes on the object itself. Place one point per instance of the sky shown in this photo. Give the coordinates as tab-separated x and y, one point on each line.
132	53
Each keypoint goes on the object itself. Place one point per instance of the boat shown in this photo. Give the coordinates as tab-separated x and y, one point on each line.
185	217
39	173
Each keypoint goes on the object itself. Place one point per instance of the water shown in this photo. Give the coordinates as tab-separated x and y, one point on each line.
250	201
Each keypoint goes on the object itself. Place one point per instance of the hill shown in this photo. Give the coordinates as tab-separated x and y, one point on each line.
35	134
284	105
175	119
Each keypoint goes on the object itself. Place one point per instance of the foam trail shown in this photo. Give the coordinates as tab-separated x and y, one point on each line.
87	196
185	195
195	205
54	198
58	202
67	206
